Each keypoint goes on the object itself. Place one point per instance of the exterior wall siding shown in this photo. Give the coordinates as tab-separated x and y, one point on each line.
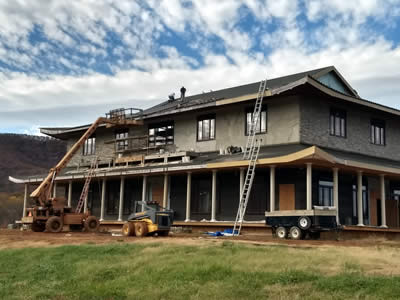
283	127
314	129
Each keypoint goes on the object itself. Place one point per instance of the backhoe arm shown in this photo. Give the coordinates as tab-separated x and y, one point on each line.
116	117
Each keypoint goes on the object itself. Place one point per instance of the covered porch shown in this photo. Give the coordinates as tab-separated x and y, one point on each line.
365	194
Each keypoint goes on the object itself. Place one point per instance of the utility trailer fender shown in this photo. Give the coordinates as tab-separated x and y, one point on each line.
298	223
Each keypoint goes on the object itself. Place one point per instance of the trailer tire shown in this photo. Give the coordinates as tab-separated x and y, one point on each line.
128	229
296	233
38	227
141	229
91	224
281	232
304	222
54	224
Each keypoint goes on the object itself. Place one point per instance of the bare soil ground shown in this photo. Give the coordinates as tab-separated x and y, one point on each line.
11	239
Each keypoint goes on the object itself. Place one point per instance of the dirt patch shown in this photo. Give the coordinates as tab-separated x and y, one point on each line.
22	239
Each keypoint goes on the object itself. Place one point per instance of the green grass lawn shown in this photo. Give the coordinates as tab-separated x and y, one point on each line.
209	271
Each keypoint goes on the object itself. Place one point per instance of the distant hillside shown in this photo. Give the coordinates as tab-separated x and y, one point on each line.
23	155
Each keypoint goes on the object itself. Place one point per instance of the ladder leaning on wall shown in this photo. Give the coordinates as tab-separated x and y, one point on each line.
85	190
250	153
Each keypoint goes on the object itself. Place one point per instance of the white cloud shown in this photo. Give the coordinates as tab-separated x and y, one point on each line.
145	70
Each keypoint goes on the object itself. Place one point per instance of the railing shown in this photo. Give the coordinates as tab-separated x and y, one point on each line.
124	114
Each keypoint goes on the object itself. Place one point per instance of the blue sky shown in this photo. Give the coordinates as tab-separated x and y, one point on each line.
64	63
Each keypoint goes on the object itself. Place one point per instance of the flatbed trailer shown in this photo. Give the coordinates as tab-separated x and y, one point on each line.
296	224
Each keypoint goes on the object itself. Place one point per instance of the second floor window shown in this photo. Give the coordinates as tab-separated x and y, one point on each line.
89	148
121	138
338	122
261	126
161	134
206	128
378	132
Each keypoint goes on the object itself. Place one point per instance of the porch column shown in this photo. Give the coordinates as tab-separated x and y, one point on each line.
383	201
359	199
272	188
214	195
103	198
121	198
25	200
241	182
336	193
165	194
188	195
69	193
54	189
144	189
309	186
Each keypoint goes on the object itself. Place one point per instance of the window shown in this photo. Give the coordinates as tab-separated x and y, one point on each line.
396	194
377	132
89	148
338	122
161	134
206	128
261	126
121	137
325	193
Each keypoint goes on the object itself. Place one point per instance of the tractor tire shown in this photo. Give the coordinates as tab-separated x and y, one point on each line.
141	229
54	224
128	229
281	232
296	233
91	224
38	227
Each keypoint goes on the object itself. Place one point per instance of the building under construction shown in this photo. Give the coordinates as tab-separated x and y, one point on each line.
321	144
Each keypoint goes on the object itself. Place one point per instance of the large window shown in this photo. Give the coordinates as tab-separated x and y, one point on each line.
325	194
378	132
261	126
338	122
161	134
206	128
121	137
89	148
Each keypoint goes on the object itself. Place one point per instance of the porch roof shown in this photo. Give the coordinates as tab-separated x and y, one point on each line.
291	154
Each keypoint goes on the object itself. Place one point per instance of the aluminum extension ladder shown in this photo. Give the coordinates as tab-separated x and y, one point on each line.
85	189
250	153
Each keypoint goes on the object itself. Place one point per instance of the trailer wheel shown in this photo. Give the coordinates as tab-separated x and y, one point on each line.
128	229
141	229
92	224
304	222
38	227
281	232
54	224
296	233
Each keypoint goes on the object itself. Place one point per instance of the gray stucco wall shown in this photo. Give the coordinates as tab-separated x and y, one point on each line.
314	129
283	127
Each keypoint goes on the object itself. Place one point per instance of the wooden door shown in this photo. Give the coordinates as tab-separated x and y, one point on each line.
286	197
392	213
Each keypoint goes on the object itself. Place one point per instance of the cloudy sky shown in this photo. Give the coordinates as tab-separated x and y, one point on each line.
64	63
